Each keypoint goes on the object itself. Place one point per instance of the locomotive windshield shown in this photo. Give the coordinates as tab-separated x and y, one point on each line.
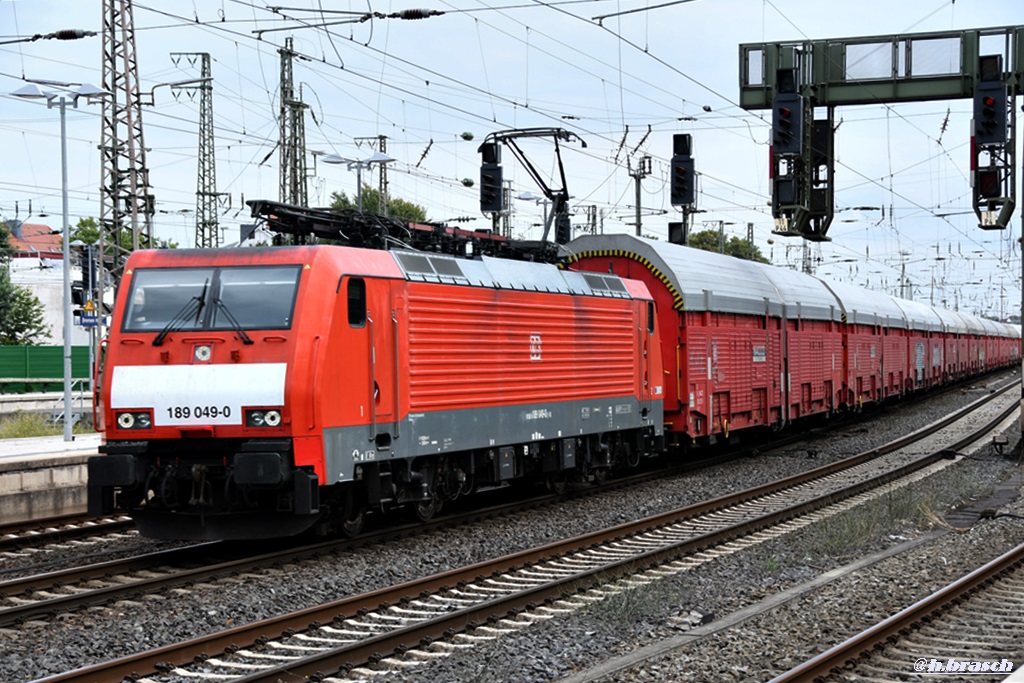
250	297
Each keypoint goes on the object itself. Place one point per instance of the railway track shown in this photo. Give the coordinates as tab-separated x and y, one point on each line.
970	627
36	535
80	587
39	533
438	615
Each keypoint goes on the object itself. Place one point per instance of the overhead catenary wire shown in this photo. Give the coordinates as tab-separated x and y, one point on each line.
490	104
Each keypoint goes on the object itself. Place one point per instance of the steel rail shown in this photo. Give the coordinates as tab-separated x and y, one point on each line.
364	650
903	621
14	537
52	582
395	641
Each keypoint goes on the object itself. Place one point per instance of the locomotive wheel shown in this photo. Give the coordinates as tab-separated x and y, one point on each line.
353	516
632	455
352	524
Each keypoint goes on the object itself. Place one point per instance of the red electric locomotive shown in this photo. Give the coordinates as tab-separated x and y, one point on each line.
263	392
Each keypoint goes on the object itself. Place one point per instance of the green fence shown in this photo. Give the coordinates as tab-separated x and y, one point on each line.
27	368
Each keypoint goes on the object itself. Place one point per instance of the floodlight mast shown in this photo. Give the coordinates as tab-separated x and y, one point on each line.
559	197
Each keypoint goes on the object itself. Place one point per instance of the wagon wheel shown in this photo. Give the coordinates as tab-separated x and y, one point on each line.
557	483
424	510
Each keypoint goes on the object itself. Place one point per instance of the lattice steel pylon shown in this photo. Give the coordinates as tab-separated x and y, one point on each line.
208	200
292	141
126	200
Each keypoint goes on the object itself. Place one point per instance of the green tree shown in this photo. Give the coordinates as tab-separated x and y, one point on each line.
6	288
21	312
397	208
23	325
734	246
88	231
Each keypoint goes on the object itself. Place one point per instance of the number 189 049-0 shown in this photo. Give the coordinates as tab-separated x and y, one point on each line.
186	412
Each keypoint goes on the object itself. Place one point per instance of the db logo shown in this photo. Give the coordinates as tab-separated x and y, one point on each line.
535	347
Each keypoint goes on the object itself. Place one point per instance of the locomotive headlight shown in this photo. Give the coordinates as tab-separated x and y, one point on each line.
135	420
263	417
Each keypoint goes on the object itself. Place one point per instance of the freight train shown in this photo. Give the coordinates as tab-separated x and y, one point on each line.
250	393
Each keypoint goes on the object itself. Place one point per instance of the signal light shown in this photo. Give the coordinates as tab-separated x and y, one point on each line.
990	113
989	186
563	229
491	194
787	123
682	181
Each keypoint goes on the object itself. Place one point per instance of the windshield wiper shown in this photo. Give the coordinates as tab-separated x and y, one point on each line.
221	306
193	305
202	302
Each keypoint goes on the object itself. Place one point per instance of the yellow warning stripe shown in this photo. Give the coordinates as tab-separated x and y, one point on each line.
677	298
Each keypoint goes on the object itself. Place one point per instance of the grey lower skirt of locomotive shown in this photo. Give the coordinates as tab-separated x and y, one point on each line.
206	489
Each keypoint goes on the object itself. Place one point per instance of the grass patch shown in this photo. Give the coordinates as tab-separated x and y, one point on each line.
22	425
914	507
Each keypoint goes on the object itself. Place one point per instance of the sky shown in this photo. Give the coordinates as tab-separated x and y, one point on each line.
437	86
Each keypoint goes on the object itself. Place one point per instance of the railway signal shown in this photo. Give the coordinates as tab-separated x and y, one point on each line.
990	113
682	171
492	195
683	188
788	123
992	145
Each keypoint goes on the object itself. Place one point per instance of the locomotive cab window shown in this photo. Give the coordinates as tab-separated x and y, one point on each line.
250	297
650	317
356	302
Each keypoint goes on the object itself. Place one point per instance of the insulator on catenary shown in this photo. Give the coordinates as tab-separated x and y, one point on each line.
417	13
71	34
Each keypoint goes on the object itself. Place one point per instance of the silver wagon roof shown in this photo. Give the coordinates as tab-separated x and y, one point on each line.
702	280
865	307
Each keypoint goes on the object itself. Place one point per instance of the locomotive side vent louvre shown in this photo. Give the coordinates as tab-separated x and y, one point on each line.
419	267
605	286
414	263
446	267
615	285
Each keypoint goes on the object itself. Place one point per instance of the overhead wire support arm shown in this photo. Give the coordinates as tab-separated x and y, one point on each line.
559	197
602	17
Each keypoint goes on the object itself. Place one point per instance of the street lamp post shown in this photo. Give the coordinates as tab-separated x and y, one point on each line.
60	99
542	201
358	165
